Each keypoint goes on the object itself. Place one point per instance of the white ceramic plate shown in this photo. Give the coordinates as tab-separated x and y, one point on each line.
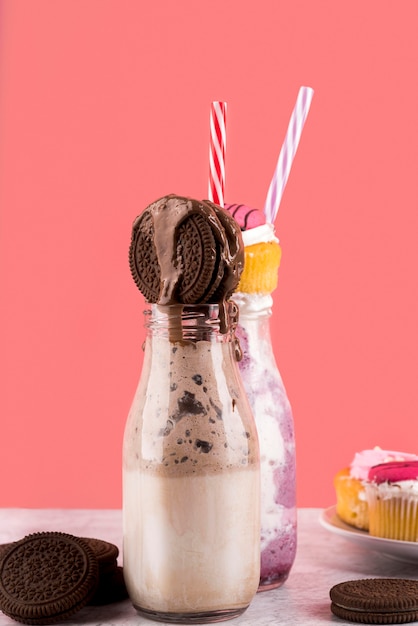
401	550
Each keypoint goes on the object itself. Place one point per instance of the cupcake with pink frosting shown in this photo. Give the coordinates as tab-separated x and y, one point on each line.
350	484
392	495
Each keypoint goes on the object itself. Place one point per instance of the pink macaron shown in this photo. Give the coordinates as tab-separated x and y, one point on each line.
246	217
394	471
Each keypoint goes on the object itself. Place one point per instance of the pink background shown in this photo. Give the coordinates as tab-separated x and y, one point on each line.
104	106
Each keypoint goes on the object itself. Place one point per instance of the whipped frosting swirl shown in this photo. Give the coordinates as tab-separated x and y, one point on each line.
364	460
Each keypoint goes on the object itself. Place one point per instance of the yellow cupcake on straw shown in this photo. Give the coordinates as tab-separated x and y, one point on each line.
260	274
261	248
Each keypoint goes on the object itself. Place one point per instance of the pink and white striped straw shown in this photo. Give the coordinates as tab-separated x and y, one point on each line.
287	153
217	148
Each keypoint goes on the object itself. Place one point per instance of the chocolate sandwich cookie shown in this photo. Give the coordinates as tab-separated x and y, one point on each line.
233	266
376	600
111	588
183	251
176	263
3	548
106	553
143	259
47	577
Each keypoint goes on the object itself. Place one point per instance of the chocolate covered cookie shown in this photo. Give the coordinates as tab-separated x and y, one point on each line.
185	251
376	600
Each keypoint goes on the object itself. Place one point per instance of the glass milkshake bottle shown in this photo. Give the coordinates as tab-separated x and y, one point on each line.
269	402
191	473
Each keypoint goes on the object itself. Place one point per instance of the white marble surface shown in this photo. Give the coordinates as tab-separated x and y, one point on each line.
323	559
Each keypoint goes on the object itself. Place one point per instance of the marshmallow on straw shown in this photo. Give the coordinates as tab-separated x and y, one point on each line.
287	153
217	147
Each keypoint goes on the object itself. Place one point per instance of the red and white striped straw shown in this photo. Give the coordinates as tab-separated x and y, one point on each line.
287	153
217	148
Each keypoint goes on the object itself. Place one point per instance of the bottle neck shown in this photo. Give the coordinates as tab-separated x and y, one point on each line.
253	306
253	330
191	323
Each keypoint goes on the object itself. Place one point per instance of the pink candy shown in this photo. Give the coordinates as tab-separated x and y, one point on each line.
394	471
246	217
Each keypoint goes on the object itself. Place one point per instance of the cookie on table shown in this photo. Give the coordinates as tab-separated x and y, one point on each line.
3	548
111	586
46	577
106	553
376	600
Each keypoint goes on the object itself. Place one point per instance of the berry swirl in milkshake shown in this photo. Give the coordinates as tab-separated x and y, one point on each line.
267	395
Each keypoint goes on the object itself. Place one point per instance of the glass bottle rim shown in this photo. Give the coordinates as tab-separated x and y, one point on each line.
192	320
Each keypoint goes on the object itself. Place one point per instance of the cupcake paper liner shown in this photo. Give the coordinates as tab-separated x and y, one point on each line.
393	517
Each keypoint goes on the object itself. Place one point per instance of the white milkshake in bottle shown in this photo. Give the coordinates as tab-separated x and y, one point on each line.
191	482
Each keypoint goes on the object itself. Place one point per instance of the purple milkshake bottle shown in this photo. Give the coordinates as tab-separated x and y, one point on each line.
267	396
261	377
